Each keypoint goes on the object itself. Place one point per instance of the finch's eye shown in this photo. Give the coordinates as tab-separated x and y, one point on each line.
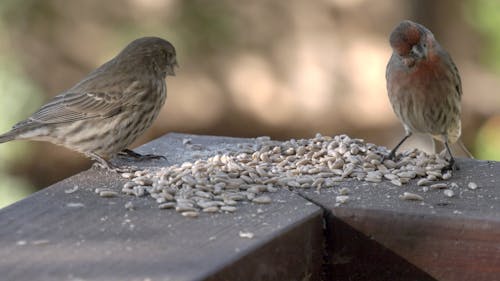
168	56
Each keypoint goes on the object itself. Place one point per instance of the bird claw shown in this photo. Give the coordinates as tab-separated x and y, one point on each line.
390	156
127	154
130	154
110	167
452	166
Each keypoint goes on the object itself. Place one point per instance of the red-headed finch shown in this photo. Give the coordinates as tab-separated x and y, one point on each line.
108	109
424	86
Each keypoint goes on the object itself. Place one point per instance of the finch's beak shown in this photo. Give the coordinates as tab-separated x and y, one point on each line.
171	68
419	51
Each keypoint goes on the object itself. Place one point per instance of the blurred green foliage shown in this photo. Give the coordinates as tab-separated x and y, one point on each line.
488	140
18	97
205	28
484	15
200	30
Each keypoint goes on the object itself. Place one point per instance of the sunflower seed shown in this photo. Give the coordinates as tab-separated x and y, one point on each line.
341	199
262	200
245	234
108	193
411	196
228	209
212	209
221	181
423	182
190	214
440	185
168	205
472	185
448	192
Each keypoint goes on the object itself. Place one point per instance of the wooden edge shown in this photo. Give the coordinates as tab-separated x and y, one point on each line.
59	235
452	249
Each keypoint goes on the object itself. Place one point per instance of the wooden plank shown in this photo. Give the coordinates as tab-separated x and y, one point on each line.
378	236
54	235
374	236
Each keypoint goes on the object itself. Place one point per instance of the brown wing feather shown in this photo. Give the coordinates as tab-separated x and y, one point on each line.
71	107
458	82
86	100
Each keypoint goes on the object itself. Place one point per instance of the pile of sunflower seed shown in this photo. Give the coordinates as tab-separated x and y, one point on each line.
219	182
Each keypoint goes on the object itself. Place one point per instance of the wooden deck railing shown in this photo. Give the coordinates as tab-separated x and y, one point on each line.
68	233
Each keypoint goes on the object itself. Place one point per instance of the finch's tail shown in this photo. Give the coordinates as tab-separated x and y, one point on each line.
462	146
11	135
25	131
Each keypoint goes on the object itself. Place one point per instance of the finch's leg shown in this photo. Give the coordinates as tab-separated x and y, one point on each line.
451	163
127	153
393	151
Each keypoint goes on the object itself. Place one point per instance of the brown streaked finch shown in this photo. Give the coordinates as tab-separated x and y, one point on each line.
110	108
424	86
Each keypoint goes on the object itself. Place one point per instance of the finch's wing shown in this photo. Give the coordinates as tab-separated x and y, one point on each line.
455	75
96	96
70	107
73	105
457	81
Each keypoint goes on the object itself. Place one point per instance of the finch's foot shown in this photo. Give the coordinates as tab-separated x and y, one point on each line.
130	154
112	168
452	166
107	165
390	156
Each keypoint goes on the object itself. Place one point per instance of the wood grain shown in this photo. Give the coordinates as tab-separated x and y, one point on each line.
379	236
53	235
48	237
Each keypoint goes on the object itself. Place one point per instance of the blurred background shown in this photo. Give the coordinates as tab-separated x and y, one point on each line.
287	69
